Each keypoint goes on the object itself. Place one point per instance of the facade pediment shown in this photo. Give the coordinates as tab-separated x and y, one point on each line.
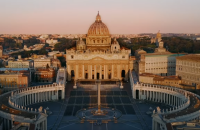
98	59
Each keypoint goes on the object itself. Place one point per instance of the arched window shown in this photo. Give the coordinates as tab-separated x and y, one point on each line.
94	41
115	47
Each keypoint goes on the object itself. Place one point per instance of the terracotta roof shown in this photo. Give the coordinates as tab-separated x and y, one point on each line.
124	48
191	57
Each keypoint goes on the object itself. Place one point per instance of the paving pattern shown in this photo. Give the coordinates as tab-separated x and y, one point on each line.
133	111
113	99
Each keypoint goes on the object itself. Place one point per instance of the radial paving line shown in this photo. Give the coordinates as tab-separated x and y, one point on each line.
57	117
140	117
61	118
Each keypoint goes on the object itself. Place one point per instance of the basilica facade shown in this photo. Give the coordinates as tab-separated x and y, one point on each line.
98	58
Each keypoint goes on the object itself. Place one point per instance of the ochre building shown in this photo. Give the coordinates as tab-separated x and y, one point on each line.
161	62
98	58
188	68
45	75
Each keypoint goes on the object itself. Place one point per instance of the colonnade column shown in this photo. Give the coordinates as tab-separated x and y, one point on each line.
35	97
167	98
38	97
30	95
25	100
150	95
164	97
153	95
161	97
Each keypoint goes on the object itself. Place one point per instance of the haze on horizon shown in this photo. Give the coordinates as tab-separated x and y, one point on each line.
121	17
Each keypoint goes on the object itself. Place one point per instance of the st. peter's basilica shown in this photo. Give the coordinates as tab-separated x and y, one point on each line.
98	58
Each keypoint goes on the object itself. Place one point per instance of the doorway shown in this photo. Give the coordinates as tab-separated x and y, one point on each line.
86	75
123	74
97	75
72	73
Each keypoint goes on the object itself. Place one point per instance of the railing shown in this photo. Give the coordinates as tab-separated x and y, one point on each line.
16	118
174	109
17	126
20	93
180	93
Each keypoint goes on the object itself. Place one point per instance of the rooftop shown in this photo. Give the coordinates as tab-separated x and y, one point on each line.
191	57
163	54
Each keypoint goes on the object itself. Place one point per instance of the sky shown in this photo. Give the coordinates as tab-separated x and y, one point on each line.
120	16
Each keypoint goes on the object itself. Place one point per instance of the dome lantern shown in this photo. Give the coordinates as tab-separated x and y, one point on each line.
98	17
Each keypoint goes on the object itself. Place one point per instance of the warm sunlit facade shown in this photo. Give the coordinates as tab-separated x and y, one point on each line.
98	58
161	62
188	68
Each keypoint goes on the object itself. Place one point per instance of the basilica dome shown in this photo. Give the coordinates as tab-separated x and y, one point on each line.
98	28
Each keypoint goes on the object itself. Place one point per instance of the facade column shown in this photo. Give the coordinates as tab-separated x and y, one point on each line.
119	72
76	72
95	72
100	74
112	73
90	71
83	72
104	72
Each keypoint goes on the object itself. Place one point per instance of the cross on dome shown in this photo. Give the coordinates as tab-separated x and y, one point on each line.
98	18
